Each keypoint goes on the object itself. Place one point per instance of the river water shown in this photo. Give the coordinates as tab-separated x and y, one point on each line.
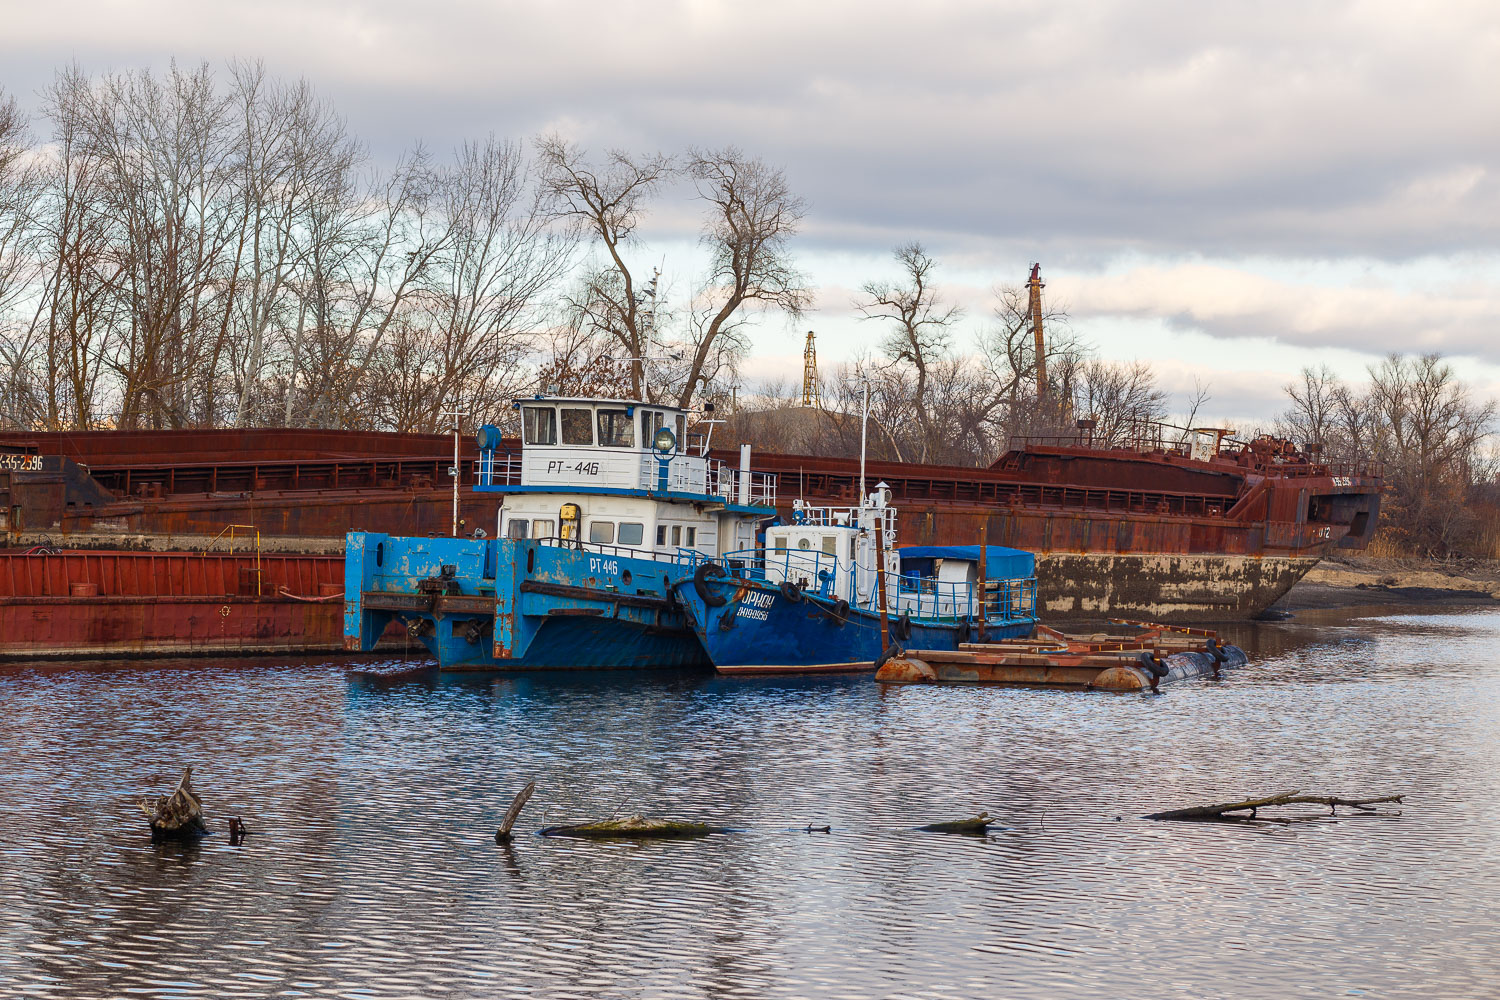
373	872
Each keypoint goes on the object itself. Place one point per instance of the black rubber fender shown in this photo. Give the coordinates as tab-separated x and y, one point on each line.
901	627
701	576
791	591
1212	647
841	609
891	651
1152	665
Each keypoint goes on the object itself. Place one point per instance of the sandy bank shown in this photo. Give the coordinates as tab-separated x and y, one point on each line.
1349	581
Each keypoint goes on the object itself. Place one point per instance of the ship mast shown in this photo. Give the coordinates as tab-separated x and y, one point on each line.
1034	284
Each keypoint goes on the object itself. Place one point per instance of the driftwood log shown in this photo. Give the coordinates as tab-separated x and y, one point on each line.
178	816
979	824
502	835
1222	811
632	827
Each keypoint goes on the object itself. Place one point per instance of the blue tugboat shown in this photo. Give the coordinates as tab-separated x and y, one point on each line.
602	514
810	600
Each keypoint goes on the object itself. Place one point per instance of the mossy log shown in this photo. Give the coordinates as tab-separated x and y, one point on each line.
178	816
979	824
634	826
1222	811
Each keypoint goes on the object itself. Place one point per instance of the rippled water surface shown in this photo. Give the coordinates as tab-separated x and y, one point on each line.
373	871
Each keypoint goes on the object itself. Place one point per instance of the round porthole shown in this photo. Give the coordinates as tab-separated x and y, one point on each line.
804	544
625	578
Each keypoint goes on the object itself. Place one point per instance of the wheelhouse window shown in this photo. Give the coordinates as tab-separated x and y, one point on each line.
602	532
516	529
632	532
577	426
616	430
690	537
539	425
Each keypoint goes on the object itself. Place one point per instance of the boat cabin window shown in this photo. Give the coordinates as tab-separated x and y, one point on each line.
677	534
542	528
516	529
831	544
577	426
539	425
602	532
632	532
661	534
689	537
616	430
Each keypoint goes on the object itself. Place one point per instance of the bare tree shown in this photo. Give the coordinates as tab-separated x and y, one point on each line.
920	332
752	217
606	203
19	344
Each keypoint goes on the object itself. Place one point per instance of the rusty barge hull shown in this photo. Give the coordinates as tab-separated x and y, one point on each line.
128	604
1145	532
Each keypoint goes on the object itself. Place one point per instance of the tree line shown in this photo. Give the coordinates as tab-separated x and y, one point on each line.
1417	423
200	249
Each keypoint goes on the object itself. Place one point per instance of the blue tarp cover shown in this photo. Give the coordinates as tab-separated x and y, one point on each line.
1001	563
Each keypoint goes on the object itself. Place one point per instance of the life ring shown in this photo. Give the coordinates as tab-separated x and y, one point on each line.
701	576
901	627
791	591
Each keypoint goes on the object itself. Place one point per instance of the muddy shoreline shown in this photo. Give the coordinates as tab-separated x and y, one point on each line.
1367	580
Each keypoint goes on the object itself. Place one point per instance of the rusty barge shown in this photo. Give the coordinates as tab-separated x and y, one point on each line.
1171	531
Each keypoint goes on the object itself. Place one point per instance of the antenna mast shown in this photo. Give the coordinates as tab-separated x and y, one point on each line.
811	394
1034	284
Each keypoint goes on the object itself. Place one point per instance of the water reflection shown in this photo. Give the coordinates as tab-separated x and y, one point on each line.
372	869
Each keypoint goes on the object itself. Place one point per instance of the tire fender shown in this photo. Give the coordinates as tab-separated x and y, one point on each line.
710	597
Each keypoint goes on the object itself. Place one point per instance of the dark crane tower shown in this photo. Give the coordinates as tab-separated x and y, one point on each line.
1035	286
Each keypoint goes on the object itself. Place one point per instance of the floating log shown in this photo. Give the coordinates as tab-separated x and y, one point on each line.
238	831
979	824
634	826
817	829
502	835
178	816
1221	811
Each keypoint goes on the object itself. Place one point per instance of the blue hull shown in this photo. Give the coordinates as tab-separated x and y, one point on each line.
516	605
758	630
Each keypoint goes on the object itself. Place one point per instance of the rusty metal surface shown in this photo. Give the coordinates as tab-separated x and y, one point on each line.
172	574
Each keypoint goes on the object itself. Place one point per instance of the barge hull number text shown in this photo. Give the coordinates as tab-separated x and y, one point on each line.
21	463
754	606
577	468
604	565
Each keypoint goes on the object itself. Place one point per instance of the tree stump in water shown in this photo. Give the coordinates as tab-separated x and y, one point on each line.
502	835
178	816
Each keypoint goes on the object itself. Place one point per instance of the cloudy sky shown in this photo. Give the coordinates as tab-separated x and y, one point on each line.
1231	191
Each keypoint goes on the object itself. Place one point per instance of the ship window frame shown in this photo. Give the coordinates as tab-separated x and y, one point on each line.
594	532
621	428
689	537
568	431
543	527
661	535
640	532
516	528
677	536
529	434
831	545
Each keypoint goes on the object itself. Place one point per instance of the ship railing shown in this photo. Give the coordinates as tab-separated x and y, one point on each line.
726	481
685	473
844	517
950	600
681	557
812	569
491	469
